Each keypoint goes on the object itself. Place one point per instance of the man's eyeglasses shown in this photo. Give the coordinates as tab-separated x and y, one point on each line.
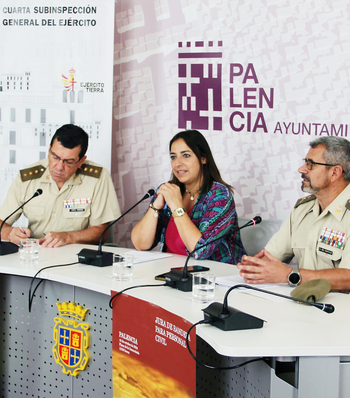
310	164
67	162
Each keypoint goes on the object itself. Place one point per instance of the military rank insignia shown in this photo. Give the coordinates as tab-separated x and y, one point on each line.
333	238
72	338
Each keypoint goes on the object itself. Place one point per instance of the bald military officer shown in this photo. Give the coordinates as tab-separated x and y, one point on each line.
78	200
318	228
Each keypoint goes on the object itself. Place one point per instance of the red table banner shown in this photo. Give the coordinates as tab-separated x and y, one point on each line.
150	357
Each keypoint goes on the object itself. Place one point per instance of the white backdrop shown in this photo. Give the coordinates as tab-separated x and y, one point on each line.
56	65
258	78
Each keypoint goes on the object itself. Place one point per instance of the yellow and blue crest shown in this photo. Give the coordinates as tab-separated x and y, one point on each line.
72	338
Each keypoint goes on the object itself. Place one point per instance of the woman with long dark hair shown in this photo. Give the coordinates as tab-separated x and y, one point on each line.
195	207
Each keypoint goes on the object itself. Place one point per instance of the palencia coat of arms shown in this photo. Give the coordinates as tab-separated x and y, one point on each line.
72	338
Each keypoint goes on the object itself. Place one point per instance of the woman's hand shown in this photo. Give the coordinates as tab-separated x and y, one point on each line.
171	194
159	203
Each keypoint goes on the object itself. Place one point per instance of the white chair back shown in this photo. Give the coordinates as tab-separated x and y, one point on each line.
255	237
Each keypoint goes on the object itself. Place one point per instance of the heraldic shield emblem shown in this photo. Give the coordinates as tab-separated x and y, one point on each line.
72	338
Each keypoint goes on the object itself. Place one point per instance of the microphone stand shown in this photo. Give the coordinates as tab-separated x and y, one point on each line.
9	247
228	318
181	279
103	259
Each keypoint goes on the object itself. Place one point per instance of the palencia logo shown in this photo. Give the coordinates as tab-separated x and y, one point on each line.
72	338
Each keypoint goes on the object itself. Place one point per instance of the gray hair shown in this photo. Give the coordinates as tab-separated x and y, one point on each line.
337	152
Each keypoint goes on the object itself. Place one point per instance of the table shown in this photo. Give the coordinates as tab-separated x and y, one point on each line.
308	349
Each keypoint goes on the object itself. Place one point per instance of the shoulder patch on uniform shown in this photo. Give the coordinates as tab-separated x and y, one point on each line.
347	205
90	170
304	200
32	172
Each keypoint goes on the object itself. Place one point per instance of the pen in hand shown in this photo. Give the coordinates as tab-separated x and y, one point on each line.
16	222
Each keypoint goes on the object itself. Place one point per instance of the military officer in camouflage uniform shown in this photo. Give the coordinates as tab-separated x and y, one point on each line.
318	228
78	199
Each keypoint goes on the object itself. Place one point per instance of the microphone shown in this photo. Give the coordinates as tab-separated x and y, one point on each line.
9	247
228	318
103	259
181	279
253	221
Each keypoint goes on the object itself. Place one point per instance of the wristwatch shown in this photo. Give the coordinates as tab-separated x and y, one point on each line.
294	278
180	211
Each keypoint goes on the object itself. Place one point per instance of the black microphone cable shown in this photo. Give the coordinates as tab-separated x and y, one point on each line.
31	295
204	321
129	288
210	321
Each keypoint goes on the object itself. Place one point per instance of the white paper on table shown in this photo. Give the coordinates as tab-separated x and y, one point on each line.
143	256
232	280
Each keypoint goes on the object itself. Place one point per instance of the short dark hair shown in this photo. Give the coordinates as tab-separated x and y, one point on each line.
200	147
337	152
71	136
